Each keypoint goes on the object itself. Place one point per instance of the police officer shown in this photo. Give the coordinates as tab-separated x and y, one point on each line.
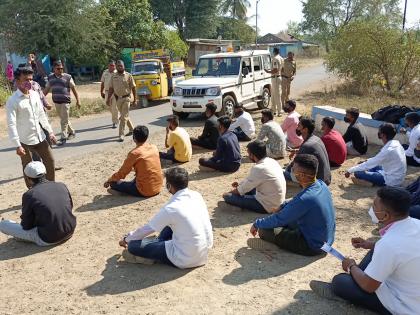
105	80
288	71
121	86
276	65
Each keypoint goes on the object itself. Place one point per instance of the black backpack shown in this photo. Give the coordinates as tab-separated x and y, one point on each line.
393	113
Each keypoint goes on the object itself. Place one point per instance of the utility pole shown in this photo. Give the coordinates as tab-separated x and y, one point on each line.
405	13
256	23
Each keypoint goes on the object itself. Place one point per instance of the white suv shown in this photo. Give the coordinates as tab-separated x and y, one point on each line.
225	79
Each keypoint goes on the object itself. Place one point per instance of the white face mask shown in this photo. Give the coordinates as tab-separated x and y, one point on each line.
373	216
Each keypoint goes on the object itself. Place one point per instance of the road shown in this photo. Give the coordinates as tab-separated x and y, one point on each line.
94	134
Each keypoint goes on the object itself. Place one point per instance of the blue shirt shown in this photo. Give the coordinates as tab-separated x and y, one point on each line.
311	210
228	150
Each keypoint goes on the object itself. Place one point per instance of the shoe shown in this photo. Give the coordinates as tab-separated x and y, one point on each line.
130	258
279	114
114	192
361	182
121	139
114	126
61	142
71	136
129	134
324	290
259	244
205	168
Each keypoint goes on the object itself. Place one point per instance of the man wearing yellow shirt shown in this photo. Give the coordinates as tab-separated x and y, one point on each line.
177	141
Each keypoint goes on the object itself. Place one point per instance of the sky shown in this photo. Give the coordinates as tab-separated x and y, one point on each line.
273	15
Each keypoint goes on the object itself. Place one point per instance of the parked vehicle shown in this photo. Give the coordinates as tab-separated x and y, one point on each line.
225	79
155	74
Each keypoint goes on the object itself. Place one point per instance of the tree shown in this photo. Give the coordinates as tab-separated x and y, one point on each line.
236	9
230	28
76	29
371	52
177	47
192	18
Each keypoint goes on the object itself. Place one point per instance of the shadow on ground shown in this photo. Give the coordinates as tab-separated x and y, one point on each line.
12	249
120	277
225	215
103	202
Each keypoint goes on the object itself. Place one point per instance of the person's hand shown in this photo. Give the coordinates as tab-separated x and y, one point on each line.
134	102
106	184
20	151
291	79
53	139
403	130
78	104
123	243
347	263
235	184
167	129
292	154
102	94
347	174
359	242
48	106
253	230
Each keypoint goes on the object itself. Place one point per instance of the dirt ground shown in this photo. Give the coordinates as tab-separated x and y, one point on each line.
85	275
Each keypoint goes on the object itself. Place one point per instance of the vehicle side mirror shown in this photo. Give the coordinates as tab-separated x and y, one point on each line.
194	72
245	72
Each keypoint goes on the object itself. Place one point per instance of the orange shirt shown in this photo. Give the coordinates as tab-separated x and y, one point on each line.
145	161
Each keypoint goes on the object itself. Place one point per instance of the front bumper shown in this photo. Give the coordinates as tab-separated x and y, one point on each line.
194	104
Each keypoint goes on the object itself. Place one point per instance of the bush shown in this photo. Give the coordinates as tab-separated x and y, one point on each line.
5	90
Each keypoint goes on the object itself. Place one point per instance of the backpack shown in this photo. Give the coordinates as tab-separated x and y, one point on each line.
393	113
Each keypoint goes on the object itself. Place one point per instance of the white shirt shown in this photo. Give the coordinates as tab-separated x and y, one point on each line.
25	113
395	263
246	123
186	214
393	161
268	179
413	139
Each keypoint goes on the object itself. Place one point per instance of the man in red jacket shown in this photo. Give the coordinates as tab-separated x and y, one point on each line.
334	142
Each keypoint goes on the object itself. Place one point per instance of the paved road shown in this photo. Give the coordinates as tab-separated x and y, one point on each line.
95	134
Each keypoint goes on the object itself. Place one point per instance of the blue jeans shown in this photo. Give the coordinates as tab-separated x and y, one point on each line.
415	212
248	201
153	248
241	135
344	286
128	188
372	176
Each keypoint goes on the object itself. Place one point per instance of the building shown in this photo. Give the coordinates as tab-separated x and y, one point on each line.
202	46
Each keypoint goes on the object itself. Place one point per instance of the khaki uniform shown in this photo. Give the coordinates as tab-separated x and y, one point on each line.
122	85
106	79
287	72
276	63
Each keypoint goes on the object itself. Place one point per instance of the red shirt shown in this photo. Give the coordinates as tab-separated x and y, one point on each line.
336	147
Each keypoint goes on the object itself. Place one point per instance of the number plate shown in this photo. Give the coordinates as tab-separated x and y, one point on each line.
190	103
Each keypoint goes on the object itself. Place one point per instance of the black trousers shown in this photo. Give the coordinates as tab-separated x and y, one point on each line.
204	143
226	168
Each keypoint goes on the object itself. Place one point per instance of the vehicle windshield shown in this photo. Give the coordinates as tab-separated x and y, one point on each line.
218	66
146	67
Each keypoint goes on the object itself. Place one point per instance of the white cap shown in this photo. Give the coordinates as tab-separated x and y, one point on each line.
35	169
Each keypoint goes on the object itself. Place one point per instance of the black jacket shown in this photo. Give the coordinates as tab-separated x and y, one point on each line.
356	134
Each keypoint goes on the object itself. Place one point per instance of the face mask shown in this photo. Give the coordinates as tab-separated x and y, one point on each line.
26	86
379	136
298	132
373	216
346	119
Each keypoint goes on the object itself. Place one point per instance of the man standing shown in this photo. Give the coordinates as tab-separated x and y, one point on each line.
105	80
60	84
26	118
184	225
355	136
210	134
46	211
177	141
276	65
121	86
276	140
288	71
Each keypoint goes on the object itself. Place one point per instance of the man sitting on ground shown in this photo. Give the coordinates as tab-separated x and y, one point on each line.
184	225
264	190
47	217
144	159
177	141
413	121
210	135
290	124
414	190
312	145
243	127
308	220
227	157
388	167
387	280
355	136
334	142
276	141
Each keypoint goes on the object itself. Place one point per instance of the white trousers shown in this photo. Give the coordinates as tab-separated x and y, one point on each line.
14	229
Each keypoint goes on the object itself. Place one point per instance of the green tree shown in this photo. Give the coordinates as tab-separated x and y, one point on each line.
371	52
76	29
236	9
230	28
176	46
192	18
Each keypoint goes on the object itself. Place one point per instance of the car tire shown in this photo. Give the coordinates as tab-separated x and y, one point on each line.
227	106
181	115
266	98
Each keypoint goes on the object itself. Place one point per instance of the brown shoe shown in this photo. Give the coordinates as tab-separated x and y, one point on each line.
130	258
361	182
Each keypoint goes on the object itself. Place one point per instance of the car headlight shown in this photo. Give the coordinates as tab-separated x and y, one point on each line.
154	82
213	91
177	91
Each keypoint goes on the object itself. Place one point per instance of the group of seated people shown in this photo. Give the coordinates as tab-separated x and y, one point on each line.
385	281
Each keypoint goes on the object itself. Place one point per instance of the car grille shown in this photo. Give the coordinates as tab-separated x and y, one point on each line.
193	92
